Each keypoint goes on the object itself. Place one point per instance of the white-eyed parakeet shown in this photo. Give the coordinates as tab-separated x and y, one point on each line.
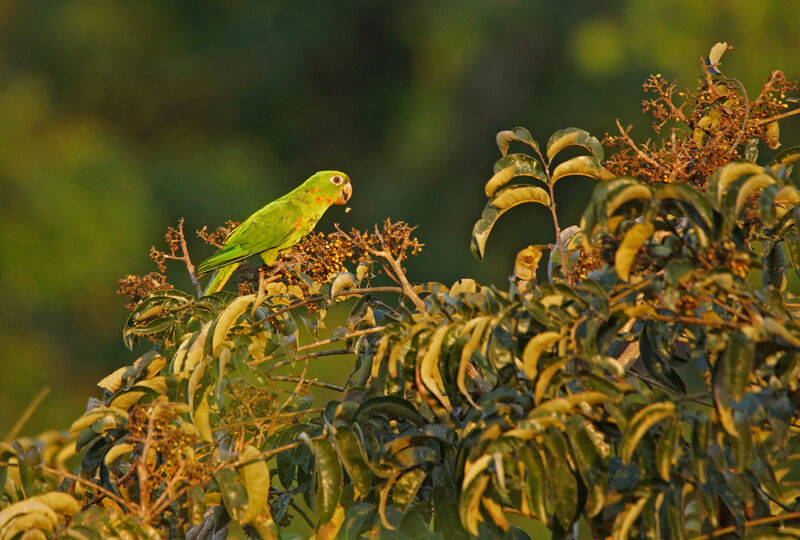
278	226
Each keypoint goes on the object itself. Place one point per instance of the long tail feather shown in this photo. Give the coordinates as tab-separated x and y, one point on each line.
219	278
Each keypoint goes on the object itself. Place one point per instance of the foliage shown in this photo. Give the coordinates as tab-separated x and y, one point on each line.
648	387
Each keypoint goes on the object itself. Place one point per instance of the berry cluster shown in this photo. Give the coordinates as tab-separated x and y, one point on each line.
713	125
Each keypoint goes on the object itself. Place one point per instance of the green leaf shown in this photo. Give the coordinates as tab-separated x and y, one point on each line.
502	201
391	408
329	477
589	464
574	137
665	449
512	166
234	492
520	134
691	196
406	488
352	454
774	268
251	374
469	505
536	480
608	197
564	495
731	374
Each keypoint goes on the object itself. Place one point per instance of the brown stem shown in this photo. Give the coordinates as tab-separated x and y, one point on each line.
689	320
635	148
753	523
776	117
186	260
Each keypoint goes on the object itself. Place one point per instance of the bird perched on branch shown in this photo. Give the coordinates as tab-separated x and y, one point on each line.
278	226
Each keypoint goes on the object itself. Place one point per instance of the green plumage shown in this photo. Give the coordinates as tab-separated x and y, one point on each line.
278	226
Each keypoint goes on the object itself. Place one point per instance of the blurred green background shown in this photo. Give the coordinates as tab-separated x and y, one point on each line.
117	118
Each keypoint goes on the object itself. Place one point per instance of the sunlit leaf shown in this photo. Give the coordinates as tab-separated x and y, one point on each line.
625	520
634	238
510	167
640	424
255	476
228	318
581	166
577	137
429	372
501	202
505	138
534	348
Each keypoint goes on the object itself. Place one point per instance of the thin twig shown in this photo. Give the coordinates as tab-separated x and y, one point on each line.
309	356
635	148
186	260
689	320
321	343
114	497
289	378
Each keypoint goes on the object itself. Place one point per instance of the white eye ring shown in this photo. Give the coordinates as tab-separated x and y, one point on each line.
336	179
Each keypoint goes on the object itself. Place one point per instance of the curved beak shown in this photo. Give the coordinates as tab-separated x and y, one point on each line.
345	194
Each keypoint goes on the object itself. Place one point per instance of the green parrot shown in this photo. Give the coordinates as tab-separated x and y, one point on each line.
278	226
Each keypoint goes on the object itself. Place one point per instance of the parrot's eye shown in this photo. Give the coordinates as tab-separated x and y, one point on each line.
336	179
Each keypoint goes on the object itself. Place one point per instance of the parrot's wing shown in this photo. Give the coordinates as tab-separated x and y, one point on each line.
268	228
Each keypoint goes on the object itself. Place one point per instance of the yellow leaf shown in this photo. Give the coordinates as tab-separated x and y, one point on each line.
195	353
429	367
534	348
256	480
641	422
113	382
499	179
477	326
581	166
634	238
636	191
544	381
116	451
716	52
527	262
201	418
227	319
733	171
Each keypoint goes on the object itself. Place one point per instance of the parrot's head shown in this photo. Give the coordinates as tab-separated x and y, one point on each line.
332	187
